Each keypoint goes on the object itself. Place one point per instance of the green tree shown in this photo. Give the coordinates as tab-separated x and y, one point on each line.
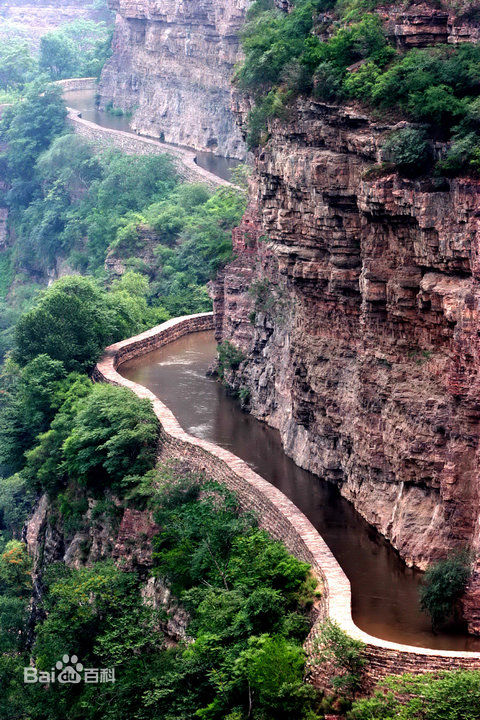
44	468
59	56
69	162
72	322
16	65
273	668
443	585
28	406
343	657
28	127
114	434
15	567
77	49
15	590
16	500
409	149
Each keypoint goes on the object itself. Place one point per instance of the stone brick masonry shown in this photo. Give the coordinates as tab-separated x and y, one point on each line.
277	514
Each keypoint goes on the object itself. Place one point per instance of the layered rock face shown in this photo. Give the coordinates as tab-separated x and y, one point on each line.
356	303
172	64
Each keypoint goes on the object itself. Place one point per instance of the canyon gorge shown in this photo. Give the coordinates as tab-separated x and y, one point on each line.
240	359
354	292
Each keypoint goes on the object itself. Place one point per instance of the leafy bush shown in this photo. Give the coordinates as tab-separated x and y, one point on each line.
443	585
229	358
77	49
16	500
409	149
72	322
271	40
28	127
114	433
327	82
460	157
342	657
17	66
451	695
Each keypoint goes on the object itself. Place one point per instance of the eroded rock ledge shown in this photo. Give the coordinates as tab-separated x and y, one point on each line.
356	303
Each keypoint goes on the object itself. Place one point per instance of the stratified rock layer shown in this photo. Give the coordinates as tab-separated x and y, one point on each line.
171	65
356	303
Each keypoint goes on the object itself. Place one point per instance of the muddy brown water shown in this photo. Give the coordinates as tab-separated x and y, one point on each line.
84	102
384	589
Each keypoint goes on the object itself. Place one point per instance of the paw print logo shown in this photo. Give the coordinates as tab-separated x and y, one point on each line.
70	669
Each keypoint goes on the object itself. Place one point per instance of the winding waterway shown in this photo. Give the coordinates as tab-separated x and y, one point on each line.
84	102
384	590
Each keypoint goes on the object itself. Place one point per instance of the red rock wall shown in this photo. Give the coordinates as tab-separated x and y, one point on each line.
276	513
365	354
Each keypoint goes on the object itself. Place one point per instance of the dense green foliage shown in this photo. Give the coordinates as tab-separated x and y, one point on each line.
73	321
247	600
62	335
451	695
343	657
443	585
28	127
78	49
17	67
96	437
247	597
114	433
437	86
75	204
229	358
409	150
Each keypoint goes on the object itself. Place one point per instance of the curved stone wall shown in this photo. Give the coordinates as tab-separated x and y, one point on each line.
184	160
70	84
277	514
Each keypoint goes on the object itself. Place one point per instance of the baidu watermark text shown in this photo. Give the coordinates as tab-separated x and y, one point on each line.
69	671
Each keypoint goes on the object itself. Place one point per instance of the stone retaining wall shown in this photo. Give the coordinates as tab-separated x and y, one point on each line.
77	84
131	144
277	514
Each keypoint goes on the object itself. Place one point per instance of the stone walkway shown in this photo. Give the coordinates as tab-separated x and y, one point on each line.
132	144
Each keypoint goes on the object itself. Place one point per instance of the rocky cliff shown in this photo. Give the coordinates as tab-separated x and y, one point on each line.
121	533
171	65
355	300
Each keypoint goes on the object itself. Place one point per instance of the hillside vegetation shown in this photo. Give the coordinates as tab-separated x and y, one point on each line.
354	60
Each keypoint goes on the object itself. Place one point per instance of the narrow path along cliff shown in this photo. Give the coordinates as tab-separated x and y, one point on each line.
103	134
276	512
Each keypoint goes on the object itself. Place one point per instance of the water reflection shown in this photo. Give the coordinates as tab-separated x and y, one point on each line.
384	590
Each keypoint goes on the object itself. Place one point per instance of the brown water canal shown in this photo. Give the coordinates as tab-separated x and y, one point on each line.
384	590
84	102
